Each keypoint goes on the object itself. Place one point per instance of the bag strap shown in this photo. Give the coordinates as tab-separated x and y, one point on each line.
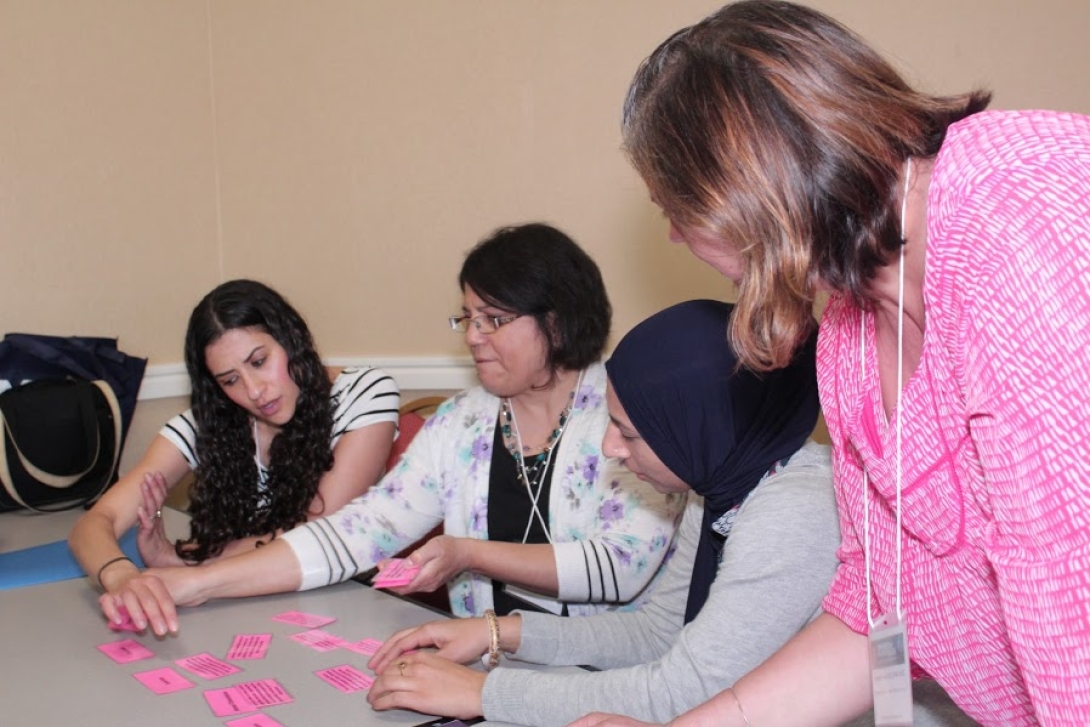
59	481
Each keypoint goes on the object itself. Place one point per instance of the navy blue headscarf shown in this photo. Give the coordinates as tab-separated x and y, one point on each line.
717	427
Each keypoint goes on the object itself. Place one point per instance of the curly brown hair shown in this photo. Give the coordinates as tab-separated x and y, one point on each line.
774	128
225	502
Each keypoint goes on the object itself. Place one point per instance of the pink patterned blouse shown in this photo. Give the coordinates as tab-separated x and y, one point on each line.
996	429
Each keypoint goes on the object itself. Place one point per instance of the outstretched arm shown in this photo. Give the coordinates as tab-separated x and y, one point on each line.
151	597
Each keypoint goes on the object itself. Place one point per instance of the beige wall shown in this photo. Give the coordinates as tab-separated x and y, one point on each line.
349	152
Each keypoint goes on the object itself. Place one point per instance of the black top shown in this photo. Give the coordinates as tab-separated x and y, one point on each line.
509	508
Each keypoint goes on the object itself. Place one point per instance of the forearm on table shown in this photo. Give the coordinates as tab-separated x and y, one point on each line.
604	641
94	544
531	566
272	569
245	545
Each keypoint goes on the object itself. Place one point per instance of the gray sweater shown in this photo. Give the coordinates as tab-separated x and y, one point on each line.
777	565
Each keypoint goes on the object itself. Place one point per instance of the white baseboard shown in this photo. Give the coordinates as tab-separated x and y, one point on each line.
448	373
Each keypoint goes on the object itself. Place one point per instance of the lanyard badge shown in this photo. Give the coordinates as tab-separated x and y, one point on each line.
890	671
891	677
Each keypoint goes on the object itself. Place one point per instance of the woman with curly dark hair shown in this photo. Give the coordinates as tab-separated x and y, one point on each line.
272	442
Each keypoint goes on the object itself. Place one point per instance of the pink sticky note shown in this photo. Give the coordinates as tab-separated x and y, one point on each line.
318	640
398	572
367	647
163	681
249	646
246	697
125	651
126	624
207	666
254	720
346	677
306	620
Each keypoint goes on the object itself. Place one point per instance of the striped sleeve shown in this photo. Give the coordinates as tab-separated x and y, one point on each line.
323	555
621	552
181	431
363	396
587	568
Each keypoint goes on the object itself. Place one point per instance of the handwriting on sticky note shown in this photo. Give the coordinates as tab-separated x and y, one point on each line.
163	681
306	620
367	647
318	640
246	697
398	572
249	646
125	651
254	720
207	666
346	677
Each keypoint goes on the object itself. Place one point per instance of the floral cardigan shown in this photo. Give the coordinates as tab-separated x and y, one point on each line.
611	532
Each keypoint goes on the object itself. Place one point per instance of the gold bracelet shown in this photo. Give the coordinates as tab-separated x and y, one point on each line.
493	639
107	564
745	719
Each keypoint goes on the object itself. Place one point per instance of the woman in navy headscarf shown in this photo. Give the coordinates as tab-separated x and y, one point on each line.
755	553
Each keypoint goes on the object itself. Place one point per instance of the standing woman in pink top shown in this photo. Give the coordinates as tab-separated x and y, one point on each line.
953	359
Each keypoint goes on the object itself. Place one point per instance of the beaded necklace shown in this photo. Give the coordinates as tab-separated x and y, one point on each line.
532	473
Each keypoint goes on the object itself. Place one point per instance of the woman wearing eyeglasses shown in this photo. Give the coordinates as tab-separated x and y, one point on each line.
533	518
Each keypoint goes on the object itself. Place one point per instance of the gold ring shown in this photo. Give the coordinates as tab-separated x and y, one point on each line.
401	667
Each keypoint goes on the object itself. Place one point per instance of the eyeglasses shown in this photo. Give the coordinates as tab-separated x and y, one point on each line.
484	324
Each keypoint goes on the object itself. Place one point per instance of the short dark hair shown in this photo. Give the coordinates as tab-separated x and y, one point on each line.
536	270
776	129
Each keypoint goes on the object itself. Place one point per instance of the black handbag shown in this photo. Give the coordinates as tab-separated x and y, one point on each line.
31	356
61	443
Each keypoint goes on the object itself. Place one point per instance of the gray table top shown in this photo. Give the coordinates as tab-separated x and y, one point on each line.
53	673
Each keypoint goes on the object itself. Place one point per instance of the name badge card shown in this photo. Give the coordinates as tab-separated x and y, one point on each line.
891	677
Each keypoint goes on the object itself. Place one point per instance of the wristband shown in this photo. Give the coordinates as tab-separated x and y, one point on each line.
107	564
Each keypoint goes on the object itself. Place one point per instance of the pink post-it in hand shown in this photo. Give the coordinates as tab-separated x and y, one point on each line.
207	666
249	646
163	681
398	572
126	624
346	677
367	647
318	640
254	720
246	697
125	651
306	620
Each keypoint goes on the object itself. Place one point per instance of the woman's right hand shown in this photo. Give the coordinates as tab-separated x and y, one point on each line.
151	598
462	640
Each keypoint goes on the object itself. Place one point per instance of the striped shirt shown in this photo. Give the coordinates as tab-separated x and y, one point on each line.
361	397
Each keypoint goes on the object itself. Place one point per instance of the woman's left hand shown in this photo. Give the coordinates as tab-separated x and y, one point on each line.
429	684
440	559
151	536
